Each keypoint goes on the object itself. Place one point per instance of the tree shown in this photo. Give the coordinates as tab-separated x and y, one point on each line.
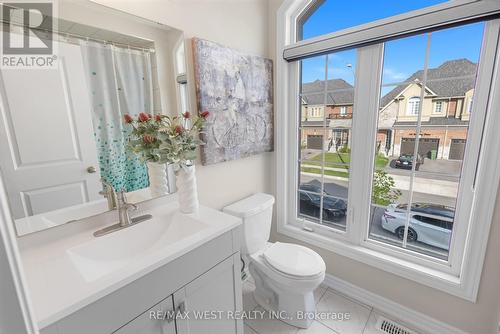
383	192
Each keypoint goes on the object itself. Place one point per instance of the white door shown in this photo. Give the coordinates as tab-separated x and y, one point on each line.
46	136
217	290
157	320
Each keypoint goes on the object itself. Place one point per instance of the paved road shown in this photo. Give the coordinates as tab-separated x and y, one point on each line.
338	188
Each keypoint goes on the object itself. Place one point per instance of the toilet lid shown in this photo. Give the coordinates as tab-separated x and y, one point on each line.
294	260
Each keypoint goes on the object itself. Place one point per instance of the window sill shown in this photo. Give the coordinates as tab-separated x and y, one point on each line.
435	279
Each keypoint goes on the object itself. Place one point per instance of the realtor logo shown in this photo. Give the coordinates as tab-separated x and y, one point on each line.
27	35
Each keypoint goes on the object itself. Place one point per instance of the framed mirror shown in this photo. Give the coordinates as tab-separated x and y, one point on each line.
63	139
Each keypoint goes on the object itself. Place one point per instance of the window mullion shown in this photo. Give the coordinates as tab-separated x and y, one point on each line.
417	139
366	97
325	102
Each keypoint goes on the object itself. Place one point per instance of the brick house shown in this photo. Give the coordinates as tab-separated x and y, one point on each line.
445	111
335	114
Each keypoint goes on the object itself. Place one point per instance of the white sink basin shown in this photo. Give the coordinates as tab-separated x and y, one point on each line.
104	255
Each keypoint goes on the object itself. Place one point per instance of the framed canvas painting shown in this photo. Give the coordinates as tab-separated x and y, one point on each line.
237	90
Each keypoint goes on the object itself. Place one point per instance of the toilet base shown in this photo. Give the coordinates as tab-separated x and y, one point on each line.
291	307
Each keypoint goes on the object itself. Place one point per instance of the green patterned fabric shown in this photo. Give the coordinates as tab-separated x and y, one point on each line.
119	83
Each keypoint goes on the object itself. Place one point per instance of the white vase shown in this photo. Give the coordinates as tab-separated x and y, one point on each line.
187	190
158	184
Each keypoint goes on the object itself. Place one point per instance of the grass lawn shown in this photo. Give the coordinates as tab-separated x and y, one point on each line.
337	158
343	158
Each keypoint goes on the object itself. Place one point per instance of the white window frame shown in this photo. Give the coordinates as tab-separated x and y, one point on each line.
441	109
180	71
413	106
461	275
343	111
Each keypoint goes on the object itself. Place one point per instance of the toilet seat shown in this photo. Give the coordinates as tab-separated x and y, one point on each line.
294	260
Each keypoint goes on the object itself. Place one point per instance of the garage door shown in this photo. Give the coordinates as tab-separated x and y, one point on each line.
425	146
457	149
315	142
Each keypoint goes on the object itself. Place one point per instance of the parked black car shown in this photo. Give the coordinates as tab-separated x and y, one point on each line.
310	201
406	161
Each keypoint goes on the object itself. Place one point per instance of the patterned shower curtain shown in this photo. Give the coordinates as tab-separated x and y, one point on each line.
119	83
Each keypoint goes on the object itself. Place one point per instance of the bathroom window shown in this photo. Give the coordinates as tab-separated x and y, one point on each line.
393	185
419	213
324	156
316	20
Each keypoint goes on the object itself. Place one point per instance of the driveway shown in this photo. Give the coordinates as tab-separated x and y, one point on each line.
448	170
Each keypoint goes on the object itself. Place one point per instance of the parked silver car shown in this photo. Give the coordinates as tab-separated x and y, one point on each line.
431	224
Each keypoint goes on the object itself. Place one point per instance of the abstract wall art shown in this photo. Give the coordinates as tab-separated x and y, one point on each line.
237	90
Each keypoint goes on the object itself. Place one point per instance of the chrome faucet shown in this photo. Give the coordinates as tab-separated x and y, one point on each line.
124	220
123	208
109	192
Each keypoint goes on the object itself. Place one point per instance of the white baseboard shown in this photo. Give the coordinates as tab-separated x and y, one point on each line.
419	321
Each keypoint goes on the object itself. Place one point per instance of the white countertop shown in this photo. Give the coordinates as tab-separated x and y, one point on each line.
57	288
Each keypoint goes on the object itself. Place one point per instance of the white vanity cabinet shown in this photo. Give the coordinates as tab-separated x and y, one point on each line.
204	280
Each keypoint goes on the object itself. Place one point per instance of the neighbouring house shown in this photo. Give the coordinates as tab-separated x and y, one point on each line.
445	108
326	124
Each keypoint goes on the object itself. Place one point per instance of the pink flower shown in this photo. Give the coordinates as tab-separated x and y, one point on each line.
186	114
143	117
205	114
158	118
148	139
128	118
179	129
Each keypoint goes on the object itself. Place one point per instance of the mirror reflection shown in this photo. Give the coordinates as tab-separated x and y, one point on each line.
64	150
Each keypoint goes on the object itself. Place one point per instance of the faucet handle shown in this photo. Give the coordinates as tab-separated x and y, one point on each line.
130	206
122	199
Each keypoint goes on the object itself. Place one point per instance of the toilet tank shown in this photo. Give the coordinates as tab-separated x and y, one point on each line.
256	212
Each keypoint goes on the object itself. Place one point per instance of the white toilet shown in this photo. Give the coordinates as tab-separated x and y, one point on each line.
286	275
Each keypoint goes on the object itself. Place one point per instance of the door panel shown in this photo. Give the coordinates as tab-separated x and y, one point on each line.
425	146
47	138
152	321
457	149
217	290
315	142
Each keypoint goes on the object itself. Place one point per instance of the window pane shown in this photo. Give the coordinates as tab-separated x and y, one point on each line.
325	137
422	130
333	15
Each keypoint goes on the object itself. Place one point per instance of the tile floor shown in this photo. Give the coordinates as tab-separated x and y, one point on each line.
362	317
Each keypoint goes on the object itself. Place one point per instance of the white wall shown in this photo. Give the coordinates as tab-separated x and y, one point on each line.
240	24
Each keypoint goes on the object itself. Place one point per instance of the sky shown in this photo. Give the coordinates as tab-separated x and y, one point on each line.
402	57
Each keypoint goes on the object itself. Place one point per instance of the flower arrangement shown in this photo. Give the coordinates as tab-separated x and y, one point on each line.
165	139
